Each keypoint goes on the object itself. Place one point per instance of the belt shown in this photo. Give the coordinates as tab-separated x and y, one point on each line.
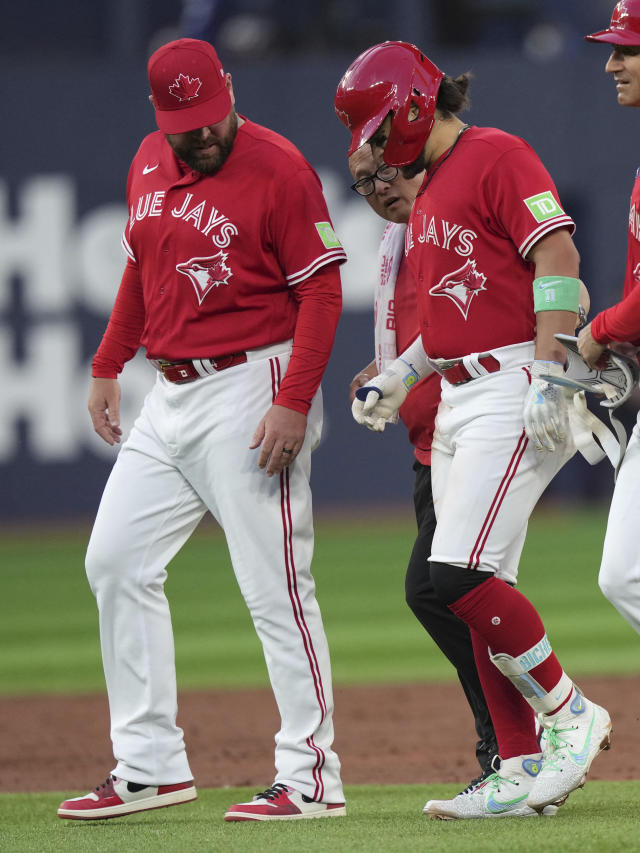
180	372
460	370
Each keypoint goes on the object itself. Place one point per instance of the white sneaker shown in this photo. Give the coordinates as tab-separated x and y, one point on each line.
502	794
571	740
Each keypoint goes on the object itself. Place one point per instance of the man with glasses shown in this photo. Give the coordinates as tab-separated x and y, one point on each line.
391	196
618	327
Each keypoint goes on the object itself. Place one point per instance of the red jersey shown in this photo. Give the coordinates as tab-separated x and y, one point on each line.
418	411
481	208
621	322
220	263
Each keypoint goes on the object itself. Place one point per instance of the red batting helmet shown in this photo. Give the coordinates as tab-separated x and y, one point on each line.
385	79
624	27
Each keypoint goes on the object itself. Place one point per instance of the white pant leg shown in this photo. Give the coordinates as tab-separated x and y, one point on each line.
486	476
619	577
269	530
510	562
146	514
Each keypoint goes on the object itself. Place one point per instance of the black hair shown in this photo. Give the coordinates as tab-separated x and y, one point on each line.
452	94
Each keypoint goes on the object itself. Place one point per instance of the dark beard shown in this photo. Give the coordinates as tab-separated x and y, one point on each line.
189	153
414	168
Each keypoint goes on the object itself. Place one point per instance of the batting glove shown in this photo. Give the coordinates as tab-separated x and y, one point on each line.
379	400
545	407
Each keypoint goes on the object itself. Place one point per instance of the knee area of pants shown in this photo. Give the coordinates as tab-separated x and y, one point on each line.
452	582
110	569
95	568
611	590
411	597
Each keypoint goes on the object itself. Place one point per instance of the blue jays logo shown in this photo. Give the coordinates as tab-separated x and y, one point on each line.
461	286
206	273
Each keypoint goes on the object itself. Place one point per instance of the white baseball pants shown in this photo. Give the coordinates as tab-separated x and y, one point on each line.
188	453
619	577
486	475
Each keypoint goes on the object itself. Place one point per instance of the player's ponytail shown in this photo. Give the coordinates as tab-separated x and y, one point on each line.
452	95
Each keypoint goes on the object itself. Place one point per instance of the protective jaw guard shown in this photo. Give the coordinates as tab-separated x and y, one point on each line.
615	380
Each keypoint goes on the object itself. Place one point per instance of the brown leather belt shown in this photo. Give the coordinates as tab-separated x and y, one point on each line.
458	374
180	372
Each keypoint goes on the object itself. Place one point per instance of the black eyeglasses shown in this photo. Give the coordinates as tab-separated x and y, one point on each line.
365	186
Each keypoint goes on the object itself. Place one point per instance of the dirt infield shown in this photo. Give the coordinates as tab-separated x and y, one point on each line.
384	735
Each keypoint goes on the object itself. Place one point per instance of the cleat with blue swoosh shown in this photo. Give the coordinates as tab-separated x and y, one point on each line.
571	739
502	794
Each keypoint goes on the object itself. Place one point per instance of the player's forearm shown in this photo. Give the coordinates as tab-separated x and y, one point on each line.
548	323
556	286
416	357
320	302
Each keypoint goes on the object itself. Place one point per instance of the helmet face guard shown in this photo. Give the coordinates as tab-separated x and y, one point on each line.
625	25
389	78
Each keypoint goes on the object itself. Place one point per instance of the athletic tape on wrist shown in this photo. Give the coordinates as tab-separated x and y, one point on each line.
409	379
556	293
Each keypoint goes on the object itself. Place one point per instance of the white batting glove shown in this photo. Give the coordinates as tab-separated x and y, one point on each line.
379	400
545	407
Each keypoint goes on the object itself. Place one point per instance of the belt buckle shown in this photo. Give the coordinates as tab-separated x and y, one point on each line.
163	364
446	363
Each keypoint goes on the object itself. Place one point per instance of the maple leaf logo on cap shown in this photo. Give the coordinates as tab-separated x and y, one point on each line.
185	88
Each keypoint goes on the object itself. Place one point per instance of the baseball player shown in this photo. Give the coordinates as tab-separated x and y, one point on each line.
619	328
391	196
232	285
490	248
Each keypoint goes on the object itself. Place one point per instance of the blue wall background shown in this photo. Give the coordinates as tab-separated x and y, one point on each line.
74	108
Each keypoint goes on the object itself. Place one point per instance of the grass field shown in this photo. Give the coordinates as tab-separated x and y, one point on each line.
48	614
602	818
48	617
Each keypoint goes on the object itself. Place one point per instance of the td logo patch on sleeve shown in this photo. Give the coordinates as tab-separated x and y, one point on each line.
543	206
328	235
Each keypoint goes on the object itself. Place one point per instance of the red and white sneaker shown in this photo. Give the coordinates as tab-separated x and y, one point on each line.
281	802
117	797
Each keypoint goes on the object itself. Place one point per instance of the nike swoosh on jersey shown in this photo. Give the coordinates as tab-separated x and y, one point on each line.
149	168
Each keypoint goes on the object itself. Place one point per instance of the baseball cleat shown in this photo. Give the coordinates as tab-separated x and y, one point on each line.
501	794
117	798
282	802
571	740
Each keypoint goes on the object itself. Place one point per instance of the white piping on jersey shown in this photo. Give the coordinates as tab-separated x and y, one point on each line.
323	260
128	249
541	230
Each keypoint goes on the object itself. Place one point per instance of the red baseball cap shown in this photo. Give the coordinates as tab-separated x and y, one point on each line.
188	86
624	28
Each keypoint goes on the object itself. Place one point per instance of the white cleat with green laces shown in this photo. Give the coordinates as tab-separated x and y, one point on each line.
503	794
571	739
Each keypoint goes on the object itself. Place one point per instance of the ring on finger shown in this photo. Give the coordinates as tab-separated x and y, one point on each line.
288	452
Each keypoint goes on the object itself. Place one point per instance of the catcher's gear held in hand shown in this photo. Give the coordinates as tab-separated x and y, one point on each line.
545	407
615	379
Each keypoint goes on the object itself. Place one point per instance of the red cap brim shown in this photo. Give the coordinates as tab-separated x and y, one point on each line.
615	36
185	119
